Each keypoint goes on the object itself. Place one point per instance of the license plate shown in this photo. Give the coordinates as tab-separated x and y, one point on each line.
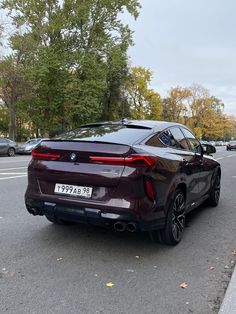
74	190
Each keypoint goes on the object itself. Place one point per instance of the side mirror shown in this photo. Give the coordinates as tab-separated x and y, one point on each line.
208	149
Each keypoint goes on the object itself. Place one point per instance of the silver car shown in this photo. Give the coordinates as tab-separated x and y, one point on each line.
7	147
27	147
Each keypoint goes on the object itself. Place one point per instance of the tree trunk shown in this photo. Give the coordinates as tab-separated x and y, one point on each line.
45	130
12	122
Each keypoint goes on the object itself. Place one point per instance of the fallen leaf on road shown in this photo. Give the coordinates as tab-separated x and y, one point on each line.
59	259
136	256
184	285
130	270
226	267
110	284
212	268
233	252
12	274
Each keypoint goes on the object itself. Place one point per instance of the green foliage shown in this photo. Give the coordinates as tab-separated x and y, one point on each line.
144	102
74	55
3	120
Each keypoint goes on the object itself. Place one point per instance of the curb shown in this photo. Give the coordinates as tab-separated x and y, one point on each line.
228	305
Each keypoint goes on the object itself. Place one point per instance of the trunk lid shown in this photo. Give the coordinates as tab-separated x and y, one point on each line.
72	165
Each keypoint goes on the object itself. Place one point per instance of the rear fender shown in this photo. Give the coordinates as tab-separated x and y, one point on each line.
215	173
176	182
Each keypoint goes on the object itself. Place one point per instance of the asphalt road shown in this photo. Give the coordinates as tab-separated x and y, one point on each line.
64	269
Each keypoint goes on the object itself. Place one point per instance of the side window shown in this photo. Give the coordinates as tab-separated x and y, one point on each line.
180	140
162	140
3	141
167	138
194	143
155	142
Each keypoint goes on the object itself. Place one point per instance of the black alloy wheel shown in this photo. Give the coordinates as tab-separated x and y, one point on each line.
214	196
174	228
11	152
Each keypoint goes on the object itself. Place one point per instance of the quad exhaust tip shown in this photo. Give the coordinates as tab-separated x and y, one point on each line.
121	226
34	211
131	226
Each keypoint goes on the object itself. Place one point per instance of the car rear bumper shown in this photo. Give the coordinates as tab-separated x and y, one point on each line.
23	151
94	216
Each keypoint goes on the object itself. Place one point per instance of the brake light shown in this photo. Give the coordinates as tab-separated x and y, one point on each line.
132	161
141	160
108	160
44	156
149	190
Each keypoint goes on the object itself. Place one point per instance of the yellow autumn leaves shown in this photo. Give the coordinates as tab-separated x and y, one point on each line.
192	106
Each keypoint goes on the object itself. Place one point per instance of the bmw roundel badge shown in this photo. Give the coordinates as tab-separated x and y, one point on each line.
73	156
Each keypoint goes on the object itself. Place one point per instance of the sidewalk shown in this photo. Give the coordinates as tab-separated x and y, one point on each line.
229	303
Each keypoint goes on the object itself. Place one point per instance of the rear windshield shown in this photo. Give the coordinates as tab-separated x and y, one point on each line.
120	134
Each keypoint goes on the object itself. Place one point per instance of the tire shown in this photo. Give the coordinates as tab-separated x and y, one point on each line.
214	195
175	223
11	152
56	221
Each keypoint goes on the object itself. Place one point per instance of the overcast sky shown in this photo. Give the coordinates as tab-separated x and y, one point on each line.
188	41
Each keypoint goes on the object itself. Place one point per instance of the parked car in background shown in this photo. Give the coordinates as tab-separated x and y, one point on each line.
219	143
204	142
132	175
231	145
8	147
27	147
213	143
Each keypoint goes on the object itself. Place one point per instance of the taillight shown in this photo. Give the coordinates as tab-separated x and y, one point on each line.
141	160
132	161
108	160
150	190
44	156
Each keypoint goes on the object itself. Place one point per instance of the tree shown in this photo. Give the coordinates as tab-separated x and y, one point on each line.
69	51
195	107
144	102
117	71
175	104
11	87
3	119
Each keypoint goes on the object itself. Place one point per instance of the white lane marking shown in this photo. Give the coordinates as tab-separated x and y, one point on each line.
234	177
11	173
6	169
8	161
25	175
220	158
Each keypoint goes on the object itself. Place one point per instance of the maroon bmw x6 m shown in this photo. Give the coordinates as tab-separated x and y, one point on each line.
129	175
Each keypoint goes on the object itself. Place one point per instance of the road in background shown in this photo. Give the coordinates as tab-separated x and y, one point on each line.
46	268
13	167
